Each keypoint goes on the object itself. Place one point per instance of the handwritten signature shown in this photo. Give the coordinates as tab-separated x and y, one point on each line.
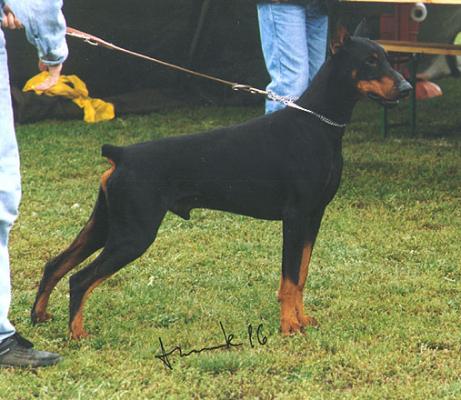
228	344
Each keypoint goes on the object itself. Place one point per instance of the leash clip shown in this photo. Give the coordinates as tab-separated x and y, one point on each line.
92	43
247	89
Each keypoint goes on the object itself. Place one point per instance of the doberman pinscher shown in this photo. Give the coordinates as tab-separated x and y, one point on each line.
283	166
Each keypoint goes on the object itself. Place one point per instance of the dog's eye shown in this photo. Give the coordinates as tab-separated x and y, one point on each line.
371	62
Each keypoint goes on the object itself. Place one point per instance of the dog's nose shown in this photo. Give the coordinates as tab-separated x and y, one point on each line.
404	88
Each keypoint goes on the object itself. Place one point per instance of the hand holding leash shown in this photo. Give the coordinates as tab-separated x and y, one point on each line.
9	20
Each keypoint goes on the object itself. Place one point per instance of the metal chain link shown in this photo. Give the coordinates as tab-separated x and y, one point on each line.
290	103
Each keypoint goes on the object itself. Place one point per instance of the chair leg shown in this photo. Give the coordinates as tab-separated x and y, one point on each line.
413	68
385	122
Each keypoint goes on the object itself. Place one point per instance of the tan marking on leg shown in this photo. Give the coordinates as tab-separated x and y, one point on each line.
106	175
290	295
74	259
76	326
40	308
303	319
304	269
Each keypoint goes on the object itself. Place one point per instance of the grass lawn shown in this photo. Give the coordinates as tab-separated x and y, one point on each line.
385	278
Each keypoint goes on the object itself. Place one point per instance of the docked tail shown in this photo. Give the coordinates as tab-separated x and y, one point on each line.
111	152
114	155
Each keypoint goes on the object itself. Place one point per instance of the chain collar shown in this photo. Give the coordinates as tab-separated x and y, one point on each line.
290	103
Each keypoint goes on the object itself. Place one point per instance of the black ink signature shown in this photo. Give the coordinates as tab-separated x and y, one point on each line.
164	355
262	340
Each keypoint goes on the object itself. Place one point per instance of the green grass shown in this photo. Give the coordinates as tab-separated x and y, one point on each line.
384	281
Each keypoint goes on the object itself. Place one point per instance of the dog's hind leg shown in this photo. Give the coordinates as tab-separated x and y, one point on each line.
91	238
125	243
299	234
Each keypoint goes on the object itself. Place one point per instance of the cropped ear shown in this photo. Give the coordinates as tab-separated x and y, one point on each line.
362	29
342	36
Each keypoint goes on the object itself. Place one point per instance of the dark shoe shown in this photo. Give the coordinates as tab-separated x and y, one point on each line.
16	351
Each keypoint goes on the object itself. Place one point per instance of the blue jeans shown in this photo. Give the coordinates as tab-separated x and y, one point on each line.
10	189
294	43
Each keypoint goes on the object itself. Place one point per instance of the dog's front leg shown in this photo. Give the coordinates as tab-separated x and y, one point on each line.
299	233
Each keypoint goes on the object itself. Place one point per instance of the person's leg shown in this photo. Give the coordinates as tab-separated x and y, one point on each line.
10	189
15	351
284	44
317	35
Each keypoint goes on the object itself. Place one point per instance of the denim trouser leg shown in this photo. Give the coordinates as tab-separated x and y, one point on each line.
317	35
293	40
10	188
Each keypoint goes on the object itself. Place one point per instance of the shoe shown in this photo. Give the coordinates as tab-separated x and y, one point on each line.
17	352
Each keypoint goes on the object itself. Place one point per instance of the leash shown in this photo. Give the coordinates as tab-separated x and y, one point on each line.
96	41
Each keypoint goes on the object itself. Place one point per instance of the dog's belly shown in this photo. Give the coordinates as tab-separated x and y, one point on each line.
263	200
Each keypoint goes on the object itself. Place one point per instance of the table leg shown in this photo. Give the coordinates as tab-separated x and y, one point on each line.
413	68
385	122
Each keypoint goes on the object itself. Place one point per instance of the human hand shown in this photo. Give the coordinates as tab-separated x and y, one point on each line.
9	20
54	71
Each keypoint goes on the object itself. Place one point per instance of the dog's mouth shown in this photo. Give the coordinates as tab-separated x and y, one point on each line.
382	100
389	102
399	91
387	92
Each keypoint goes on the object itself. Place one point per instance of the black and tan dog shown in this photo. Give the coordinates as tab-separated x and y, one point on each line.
284	166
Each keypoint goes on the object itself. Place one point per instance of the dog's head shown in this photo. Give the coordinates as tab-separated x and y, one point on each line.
368	69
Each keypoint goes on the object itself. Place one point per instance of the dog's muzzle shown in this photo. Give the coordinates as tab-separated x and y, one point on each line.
404	89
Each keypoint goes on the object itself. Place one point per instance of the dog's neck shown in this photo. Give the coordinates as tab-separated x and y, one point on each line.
330	94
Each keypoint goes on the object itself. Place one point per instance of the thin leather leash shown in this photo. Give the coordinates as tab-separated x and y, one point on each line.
96	41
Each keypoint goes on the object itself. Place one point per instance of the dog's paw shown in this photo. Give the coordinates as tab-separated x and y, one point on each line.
307	321
80	334
39	317
291	326
77	330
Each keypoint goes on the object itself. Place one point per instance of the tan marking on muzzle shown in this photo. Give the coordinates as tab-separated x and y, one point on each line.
384	87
